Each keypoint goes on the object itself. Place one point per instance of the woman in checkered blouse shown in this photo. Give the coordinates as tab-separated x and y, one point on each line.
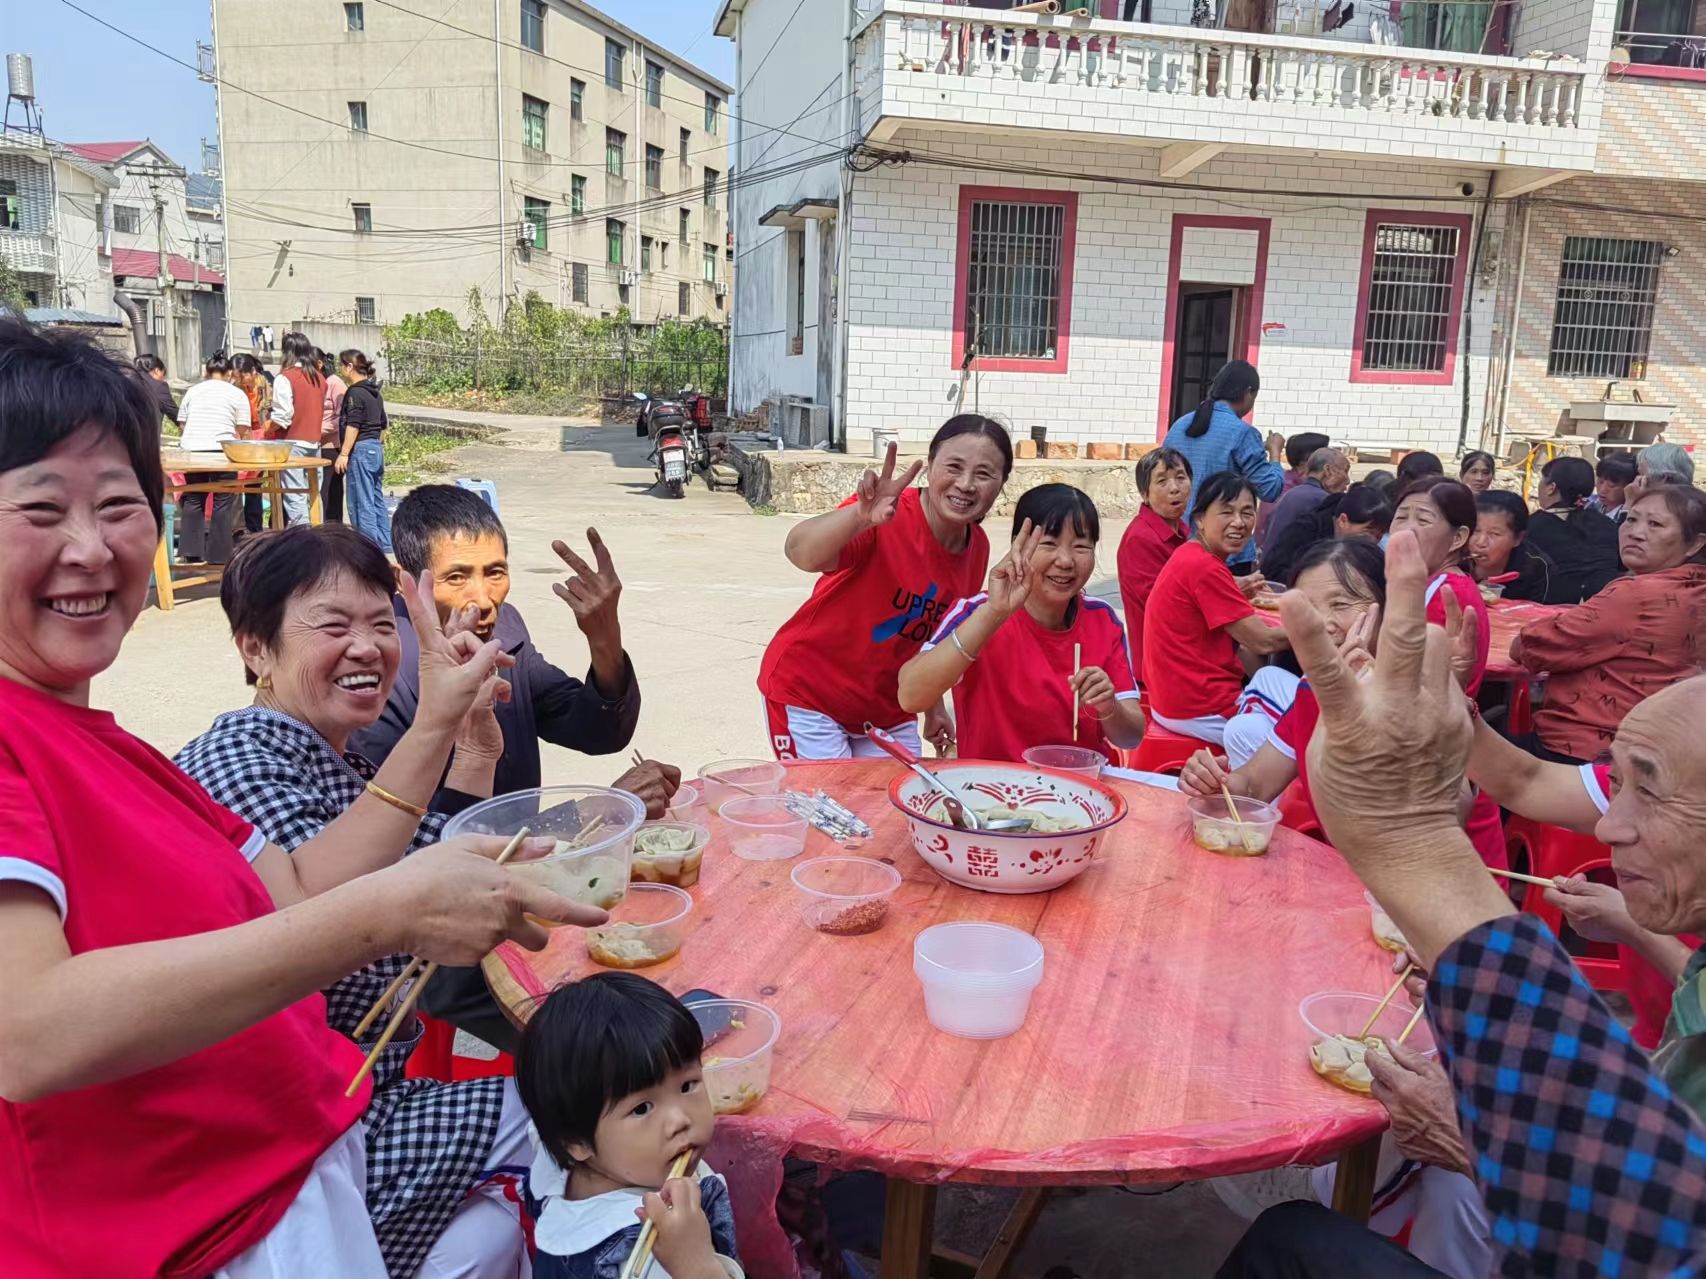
311	613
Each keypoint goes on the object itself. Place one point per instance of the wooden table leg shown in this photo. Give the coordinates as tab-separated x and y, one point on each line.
1353	1187
1011	1237
315	515
275	496
909	1223
163	575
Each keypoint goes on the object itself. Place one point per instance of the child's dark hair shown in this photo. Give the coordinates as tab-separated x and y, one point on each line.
1050	506
1619	468
1299	447
1418	465
592	1043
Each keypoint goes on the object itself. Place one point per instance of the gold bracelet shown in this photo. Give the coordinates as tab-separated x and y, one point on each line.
396	801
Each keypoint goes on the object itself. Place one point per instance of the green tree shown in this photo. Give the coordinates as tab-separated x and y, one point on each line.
12	289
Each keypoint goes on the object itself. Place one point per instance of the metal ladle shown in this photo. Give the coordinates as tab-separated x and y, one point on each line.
958	813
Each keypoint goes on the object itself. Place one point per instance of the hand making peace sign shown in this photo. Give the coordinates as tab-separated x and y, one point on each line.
455	667
879	495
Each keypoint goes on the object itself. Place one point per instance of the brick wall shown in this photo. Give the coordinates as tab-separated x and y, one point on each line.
1652	128
1676	370
902	286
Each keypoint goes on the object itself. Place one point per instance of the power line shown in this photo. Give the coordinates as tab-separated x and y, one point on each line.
307	115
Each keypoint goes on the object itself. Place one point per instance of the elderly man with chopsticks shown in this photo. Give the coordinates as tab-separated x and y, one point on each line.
311	614
1586	1161
172	1101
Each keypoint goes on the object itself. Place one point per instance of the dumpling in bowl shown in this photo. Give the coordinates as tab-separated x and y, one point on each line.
1342	1060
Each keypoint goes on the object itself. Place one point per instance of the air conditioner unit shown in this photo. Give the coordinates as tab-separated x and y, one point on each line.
626	278
722	290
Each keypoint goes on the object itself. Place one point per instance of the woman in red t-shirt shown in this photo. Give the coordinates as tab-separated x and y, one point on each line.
1164	488
1199	616
172	1101
1008	654
893	558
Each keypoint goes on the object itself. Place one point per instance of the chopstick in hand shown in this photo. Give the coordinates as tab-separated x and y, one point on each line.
1381	1006
1077	666
639	759
1520	878
384	1001
408	1005
1232	808
641	1257
1411	1025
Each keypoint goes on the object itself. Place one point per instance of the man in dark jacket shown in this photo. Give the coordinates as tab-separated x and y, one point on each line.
455	534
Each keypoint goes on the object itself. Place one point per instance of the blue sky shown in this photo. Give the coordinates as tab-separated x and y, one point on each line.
96	86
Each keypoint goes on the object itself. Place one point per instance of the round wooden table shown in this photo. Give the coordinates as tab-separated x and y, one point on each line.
1164	1043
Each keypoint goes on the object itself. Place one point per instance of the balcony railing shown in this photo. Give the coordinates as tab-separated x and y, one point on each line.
31	253
1127	65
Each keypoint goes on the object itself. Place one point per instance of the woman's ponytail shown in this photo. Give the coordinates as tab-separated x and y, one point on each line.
1236	379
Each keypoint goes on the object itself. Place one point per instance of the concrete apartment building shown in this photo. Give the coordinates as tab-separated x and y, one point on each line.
1429	225
572	158
52	214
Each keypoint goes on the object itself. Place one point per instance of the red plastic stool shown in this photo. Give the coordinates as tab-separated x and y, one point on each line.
1298	814
1162	751
1520	719
1550	851
435	1057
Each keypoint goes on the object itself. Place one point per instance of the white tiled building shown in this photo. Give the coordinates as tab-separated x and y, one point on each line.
1106	210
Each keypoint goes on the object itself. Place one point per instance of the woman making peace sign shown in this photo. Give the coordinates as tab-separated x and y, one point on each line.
893	558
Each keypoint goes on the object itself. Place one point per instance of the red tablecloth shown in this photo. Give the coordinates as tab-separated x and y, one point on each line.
1163	1044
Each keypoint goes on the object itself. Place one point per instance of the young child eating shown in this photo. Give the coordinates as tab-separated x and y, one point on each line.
610	1074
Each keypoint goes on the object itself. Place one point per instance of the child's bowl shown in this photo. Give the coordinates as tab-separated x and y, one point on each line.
1212	826
688	805
740	1039
732	778
845	896
669	853
977	977
595	874
761	829
1067	759
646	927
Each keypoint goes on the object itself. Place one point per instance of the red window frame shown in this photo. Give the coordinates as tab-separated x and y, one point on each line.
1454	320
1068	201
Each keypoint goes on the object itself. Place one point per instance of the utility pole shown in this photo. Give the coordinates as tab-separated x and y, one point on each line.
503	193
164	277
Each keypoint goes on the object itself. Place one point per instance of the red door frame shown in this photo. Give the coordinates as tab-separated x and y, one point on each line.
1252	318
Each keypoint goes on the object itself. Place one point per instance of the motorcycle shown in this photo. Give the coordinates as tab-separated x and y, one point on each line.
664	421
698	406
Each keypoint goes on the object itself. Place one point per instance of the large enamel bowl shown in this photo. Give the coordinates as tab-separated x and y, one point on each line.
996	862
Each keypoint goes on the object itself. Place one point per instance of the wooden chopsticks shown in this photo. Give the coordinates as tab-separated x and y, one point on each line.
408	1004
1381	1006
641	1257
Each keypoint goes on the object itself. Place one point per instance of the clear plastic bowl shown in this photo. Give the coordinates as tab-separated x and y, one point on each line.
646	927
761	829
1067	759
1339	1012
1213	828
977	978
740	1040
732	778
688	805
669	865
596	875
845	896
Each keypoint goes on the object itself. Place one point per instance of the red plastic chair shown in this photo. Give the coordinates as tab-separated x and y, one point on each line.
435	1057
1296	813
1550	851
1162	751
1521	717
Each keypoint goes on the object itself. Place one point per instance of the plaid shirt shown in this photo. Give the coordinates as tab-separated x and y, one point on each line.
427	1142
1587	1162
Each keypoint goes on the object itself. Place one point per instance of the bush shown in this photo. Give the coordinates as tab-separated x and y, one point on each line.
541	350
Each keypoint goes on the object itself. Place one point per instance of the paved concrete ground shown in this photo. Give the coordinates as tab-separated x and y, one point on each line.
705	586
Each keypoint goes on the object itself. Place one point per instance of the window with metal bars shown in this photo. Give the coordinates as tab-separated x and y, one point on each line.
1015	269
577	195
536	215
577	100
615	152
363	217
1603	320
683	299
1407	316
578	283
532	123
365	311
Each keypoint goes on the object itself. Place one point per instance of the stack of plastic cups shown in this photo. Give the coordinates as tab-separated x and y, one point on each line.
977	978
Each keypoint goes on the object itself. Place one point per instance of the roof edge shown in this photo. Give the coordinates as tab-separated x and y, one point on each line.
618	25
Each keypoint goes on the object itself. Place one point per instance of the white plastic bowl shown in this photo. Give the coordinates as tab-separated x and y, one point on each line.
731	778
1067	759
977	977
688	805
740	1045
